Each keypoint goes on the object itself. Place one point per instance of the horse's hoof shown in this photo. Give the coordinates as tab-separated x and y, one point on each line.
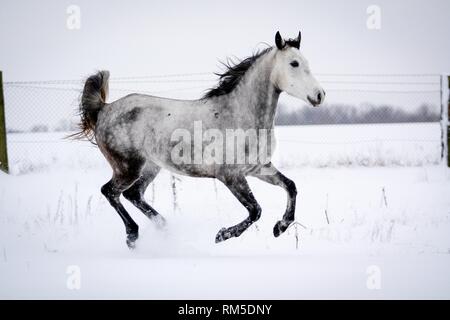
280	227
160	221
131	240
223	235
131	244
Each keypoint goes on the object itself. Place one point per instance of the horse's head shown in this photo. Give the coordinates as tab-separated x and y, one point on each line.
291	72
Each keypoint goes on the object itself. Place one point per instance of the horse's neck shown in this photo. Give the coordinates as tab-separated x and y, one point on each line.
256	96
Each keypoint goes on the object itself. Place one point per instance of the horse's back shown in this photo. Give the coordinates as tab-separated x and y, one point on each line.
140	124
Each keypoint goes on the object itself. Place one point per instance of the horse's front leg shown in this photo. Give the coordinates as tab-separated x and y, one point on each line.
271	175
239	187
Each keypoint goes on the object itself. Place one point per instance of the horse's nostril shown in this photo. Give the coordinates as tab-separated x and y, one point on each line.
319	97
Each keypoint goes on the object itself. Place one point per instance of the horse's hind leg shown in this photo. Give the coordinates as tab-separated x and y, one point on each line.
271	175
239	187
135	194
112	190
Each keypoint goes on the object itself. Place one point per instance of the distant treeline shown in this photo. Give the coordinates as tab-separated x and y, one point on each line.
349	114
63	125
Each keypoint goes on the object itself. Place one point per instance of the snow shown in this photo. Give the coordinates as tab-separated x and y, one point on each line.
405	144
397	218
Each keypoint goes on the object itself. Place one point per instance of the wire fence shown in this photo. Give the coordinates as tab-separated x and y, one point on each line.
368	119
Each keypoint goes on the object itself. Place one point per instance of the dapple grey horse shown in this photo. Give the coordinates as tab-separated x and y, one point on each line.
140	134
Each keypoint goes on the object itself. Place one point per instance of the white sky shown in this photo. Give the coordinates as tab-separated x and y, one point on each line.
159	37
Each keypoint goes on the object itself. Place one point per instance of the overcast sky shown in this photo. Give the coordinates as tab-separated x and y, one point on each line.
132	38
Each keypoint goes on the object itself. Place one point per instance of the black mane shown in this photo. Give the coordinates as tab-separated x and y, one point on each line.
234	73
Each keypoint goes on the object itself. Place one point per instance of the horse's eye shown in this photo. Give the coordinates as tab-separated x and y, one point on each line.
294	64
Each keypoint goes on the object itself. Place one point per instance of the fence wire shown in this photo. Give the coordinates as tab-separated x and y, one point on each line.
368	119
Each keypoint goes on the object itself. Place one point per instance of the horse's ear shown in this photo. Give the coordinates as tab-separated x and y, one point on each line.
299	39
295	43
279	41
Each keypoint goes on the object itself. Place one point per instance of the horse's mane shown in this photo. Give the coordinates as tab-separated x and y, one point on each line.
233	74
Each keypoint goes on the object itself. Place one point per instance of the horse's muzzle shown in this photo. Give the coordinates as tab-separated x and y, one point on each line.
318	99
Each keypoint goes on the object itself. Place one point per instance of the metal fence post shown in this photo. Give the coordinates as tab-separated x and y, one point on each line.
3	149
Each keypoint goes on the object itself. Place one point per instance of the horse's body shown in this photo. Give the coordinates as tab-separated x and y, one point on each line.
136	135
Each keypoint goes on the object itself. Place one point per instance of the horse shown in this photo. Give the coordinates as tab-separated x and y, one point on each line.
139	134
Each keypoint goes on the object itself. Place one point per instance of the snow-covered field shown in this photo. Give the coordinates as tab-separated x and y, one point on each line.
370	222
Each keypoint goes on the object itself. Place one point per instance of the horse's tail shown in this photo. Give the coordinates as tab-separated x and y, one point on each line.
92	100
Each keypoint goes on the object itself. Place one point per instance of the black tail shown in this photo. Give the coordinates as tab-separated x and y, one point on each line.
92	100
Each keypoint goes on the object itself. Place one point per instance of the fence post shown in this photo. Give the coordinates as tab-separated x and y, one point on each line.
3	150
447	120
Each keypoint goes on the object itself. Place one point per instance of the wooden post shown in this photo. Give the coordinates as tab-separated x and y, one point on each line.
448	123
3	149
